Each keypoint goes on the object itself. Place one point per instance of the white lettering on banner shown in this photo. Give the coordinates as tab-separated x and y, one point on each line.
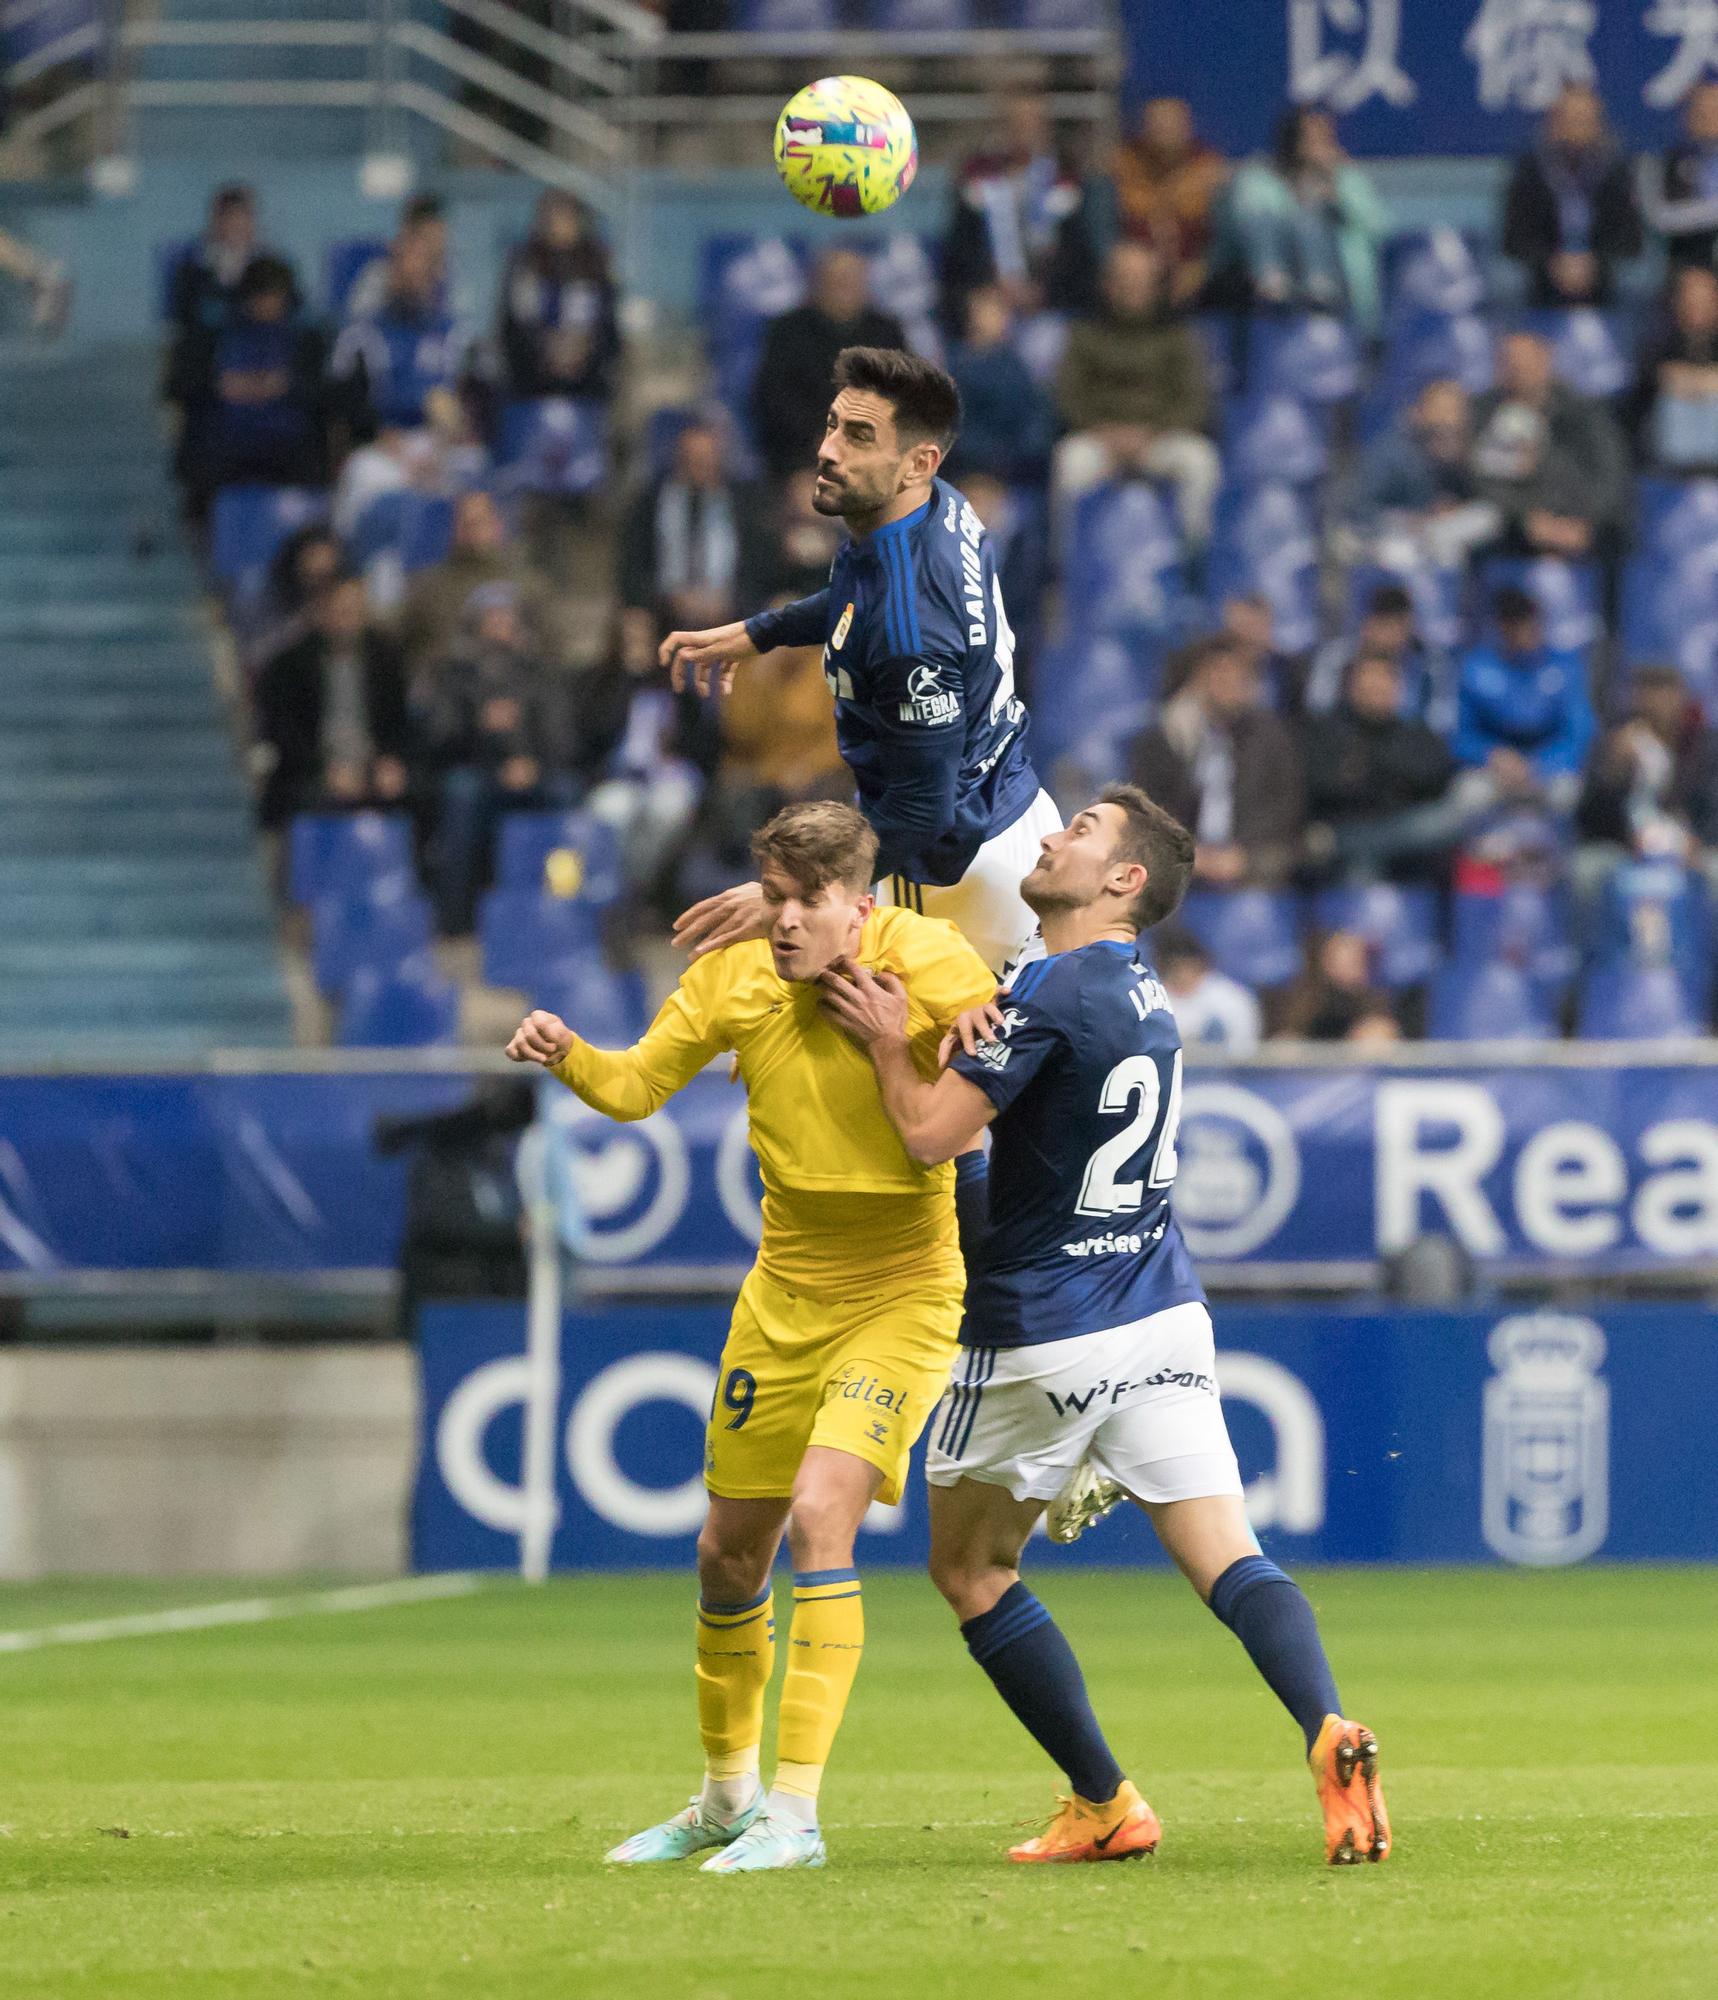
596	1416
1291	1495
1545	1489
734	1178
1693	25
1333	76
1565	1167
610	1168
459	1434
1403	1114
1528	51
1676	1212
1239	1170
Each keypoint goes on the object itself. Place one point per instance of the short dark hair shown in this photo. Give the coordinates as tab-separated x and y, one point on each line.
1511	605
235	194
816	842
266	274
925	399
1159	840
422	208
1390	600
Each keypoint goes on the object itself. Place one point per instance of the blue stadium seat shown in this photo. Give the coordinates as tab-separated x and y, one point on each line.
1567	593
1669	613
1057	17
1439	595
527	839
1526	924
169	257
1251	934
605	1006
920	17
1494	1002
1092	686
343	264
1274	440
522	932
1636	1003
1217	336
554	445
1122	560
407	1006
1433	273
1265	544
346	854
1677	518
1313	357
380	930
744	282
1657	912
1432	348
247	525
416	529
1399	924
1589	348
787	17
662	429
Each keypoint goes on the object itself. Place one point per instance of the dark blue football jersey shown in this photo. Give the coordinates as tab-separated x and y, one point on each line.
919	655
1086	1080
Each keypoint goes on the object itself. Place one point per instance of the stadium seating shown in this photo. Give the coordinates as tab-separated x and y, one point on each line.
343	264
607	1007
1492	1002
1567	594
521	932
1251	934
379	930
247	525
1266	545
1311	357
526	840
1525	924
406	1006
1122	568
1657	912
345	854
1400	926
1274	439
555	445
1588	347
1636	1003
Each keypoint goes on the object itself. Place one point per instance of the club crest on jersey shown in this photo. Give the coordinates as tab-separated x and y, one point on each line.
838	638
927	699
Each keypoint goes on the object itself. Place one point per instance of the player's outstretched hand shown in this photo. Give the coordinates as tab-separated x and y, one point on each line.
869	1006
728	918
695	659
540	1038
976	1025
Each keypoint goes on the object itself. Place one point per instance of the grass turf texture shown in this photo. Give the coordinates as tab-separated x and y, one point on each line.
414	1802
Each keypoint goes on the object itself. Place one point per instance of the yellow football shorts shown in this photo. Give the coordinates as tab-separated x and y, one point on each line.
860	1375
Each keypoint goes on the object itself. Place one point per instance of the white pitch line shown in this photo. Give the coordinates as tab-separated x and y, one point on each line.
244	1611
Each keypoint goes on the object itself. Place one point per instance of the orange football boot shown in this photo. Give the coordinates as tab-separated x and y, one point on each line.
1119	1830
1344	1765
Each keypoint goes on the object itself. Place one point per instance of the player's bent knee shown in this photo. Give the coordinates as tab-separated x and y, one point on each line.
970	1588
730	1572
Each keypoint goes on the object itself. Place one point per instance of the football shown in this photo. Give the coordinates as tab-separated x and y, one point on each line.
846	146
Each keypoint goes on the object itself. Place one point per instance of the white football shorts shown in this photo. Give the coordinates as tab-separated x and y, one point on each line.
984	905
1139	1400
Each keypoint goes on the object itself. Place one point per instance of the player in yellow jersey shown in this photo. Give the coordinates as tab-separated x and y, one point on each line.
844	1330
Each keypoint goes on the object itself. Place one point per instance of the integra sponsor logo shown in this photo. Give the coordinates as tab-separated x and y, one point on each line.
1111	1245
928	700
1077	1402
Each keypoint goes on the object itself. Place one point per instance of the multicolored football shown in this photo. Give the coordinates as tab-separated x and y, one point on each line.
845	146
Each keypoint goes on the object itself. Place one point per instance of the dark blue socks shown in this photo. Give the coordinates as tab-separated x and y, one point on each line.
1269	1614
1020	1647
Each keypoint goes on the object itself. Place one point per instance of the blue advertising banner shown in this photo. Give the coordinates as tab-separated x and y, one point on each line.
1605	1168
1420	76
1538	1438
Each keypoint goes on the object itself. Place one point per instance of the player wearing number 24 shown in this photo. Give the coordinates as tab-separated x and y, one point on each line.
843	1333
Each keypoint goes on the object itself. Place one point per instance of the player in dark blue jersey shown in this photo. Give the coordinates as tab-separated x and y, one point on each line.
1086	1331
919	656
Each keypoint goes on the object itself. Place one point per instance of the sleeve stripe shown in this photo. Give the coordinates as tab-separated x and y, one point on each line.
894	625
896	556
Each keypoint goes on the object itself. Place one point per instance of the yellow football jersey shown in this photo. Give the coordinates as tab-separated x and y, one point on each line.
843	1202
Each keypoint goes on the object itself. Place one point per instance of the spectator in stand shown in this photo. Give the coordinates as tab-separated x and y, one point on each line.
1020	221
1652	782
204	286
778	746
486	724
1135	393
1334	999
1524	717
1377	781
253	394
1228	769
1166	185
1388	626
1683	205
693	548
805	541
1415	498
1007	423
1675	403
1248	621
1212	1010
1302	226
1015	526
422	238
332	722
559	331
304	565
790	397
482	552
1569	213
1552	462
404	365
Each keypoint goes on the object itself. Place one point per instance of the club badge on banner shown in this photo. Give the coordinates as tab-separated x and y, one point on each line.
1538	1438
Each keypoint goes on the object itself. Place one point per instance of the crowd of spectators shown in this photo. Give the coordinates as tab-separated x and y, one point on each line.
1109	324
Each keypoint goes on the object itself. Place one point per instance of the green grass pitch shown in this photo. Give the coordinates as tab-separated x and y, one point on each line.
413	1802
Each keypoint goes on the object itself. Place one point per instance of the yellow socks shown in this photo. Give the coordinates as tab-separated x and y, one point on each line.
736	1656
824	1644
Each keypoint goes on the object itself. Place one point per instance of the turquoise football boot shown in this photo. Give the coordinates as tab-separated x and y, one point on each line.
769	1843
688	1832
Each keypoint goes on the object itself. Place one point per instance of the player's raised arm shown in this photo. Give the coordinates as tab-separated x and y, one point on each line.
628	1084
707	658
937	1121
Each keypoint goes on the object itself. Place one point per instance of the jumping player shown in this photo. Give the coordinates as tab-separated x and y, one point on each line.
1086	1333
844	1331
919	656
